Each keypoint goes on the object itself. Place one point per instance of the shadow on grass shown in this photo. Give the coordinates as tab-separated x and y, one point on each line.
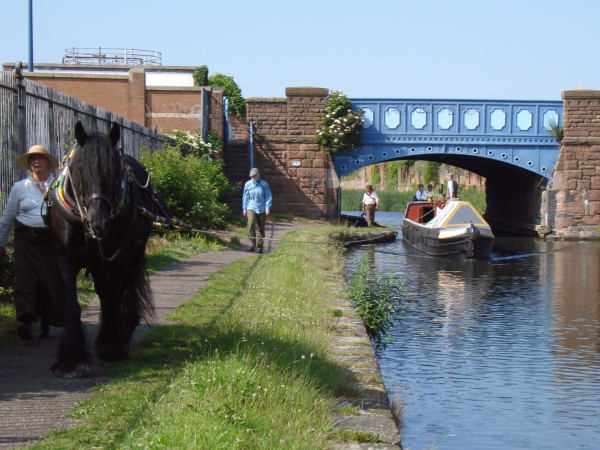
200	333
174	346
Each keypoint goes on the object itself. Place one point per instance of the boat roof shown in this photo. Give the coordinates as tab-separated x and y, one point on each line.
457	213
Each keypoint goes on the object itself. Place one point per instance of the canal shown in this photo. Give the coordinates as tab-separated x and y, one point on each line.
496	354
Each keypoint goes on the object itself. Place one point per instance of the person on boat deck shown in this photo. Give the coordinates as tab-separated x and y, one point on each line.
256	206
430	192
370	202
452	186
421	194
441	204
39	290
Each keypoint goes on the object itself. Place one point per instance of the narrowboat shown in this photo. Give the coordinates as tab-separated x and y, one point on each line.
453	229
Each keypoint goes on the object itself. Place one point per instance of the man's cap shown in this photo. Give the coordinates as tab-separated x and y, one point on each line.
254	171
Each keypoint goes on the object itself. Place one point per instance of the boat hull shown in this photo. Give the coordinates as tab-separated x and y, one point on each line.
469	242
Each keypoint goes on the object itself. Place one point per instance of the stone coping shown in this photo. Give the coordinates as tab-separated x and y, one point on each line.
581	94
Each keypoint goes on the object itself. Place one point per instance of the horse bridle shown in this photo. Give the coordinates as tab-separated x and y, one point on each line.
82	207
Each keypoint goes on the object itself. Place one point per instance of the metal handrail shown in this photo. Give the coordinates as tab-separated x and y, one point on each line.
101	55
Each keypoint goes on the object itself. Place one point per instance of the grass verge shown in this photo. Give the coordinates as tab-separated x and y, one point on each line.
246	364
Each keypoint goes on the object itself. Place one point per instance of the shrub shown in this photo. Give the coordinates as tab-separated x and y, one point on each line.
340	127
375	176
200	76
391	179
432	172
193	187
188	142
374	298
237	103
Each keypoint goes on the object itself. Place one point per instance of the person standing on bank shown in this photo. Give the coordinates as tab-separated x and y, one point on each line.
256	206
452	186
39	291
370	202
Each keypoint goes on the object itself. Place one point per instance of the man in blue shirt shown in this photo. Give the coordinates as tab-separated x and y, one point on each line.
256	205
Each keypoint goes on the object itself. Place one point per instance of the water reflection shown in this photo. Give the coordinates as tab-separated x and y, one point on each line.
495	354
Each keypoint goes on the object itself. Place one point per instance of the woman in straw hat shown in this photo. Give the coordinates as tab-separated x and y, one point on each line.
38	284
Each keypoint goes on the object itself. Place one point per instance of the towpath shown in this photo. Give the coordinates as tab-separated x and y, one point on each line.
34	402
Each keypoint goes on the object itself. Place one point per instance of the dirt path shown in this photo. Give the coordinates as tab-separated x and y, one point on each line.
33	401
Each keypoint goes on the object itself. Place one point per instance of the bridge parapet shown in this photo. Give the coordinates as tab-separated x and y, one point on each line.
514	132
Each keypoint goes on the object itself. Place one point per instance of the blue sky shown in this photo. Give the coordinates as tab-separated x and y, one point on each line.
480	49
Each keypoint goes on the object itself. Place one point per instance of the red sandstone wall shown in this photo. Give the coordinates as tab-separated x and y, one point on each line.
285	130
577	174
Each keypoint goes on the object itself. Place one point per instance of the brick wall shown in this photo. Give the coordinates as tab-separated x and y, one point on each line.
166	108
300	175
576	182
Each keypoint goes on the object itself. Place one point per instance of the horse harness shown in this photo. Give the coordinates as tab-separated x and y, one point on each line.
72	209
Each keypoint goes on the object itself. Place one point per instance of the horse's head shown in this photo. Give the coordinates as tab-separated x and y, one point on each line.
98	178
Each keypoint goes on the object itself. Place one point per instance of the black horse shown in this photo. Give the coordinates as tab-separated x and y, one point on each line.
100	213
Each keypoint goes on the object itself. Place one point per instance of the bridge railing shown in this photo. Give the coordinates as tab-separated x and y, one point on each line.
508	130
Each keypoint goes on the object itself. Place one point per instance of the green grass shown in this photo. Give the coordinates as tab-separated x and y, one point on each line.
396	200
246	364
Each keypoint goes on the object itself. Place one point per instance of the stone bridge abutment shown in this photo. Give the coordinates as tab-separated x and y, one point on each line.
573	197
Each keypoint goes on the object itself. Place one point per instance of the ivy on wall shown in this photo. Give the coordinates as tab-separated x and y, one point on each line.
237	103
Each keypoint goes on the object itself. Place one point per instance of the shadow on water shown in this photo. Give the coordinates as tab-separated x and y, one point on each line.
499	353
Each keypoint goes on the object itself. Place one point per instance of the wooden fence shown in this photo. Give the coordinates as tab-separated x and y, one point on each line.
31	113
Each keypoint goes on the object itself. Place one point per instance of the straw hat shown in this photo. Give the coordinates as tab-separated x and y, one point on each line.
23	160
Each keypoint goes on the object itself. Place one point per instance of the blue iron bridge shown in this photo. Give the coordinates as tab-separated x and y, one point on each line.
466	133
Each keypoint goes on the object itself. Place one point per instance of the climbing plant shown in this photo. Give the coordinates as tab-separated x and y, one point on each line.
237	103
340	127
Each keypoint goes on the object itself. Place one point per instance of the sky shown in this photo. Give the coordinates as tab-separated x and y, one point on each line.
451	49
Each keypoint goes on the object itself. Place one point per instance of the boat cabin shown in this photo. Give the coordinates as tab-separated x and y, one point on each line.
421	212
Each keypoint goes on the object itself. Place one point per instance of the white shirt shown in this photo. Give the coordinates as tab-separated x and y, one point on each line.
451	192
370	199
25	203
421	195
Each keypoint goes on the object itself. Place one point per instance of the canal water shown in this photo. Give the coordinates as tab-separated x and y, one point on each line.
501	354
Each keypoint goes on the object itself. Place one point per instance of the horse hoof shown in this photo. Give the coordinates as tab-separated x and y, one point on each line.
79	371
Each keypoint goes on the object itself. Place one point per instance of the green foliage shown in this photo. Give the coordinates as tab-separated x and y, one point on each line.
432	172
214	141
340	127
374	296
391	179
375	175
396	200
188	142
558	131
237	103
201	76
388	200
193	187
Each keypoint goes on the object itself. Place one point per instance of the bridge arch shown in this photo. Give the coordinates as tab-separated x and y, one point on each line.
507	142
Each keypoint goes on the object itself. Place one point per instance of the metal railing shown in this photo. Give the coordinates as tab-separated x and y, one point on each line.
100	55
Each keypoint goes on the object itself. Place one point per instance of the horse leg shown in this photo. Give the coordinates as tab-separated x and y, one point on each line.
110	336
129	301
73	358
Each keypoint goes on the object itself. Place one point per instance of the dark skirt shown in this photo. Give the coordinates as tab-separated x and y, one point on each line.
39	289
